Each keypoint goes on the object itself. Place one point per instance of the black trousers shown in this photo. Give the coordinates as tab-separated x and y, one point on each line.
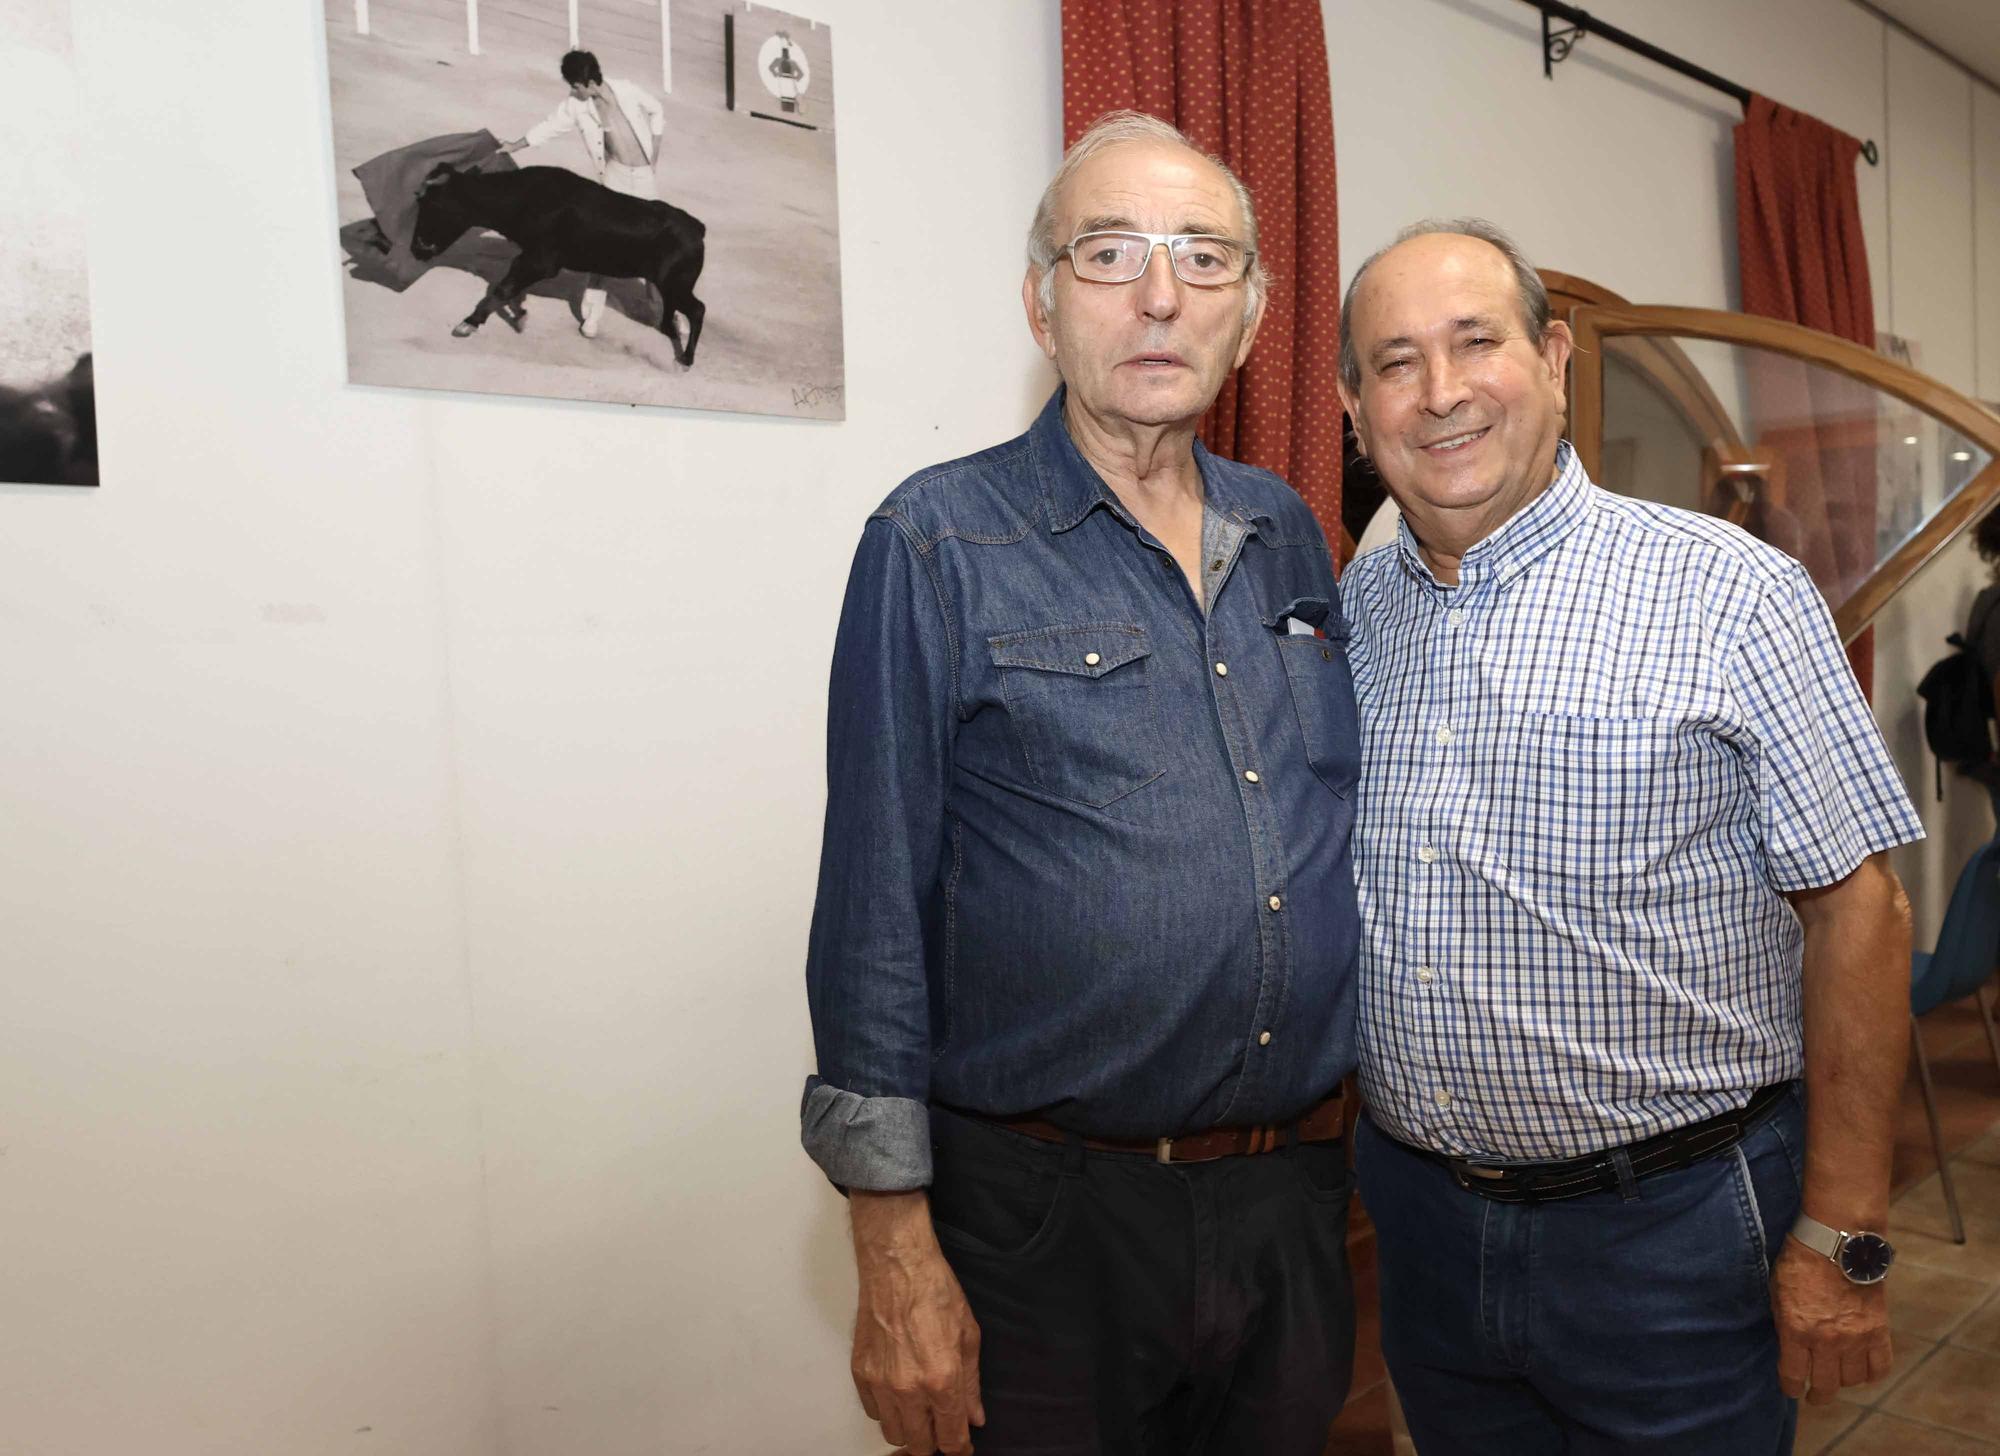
1132	1308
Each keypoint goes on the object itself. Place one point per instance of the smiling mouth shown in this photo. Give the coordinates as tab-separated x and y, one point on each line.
1455	443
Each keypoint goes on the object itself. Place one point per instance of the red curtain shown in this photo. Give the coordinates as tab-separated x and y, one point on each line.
1802	259
1246	80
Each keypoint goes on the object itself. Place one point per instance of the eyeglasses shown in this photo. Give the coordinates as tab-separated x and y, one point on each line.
1202	259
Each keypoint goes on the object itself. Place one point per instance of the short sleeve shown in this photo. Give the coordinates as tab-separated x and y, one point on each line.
1828	794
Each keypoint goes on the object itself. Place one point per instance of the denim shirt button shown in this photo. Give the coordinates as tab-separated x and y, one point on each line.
1275	903
1222	669
1091	659
1250	776
1264	1040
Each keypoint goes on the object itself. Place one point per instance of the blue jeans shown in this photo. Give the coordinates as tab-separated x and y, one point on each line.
1634	1322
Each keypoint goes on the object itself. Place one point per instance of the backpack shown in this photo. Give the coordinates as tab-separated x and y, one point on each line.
1958	699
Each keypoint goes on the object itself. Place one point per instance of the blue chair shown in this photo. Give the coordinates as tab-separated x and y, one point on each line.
1967	951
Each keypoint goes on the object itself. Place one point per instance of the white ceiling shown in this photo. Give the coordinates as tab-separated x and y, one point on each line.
1966	30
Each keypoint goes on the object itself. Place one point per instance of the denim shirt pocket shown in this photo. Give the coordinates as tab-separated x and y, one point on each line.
1322	691
1080	704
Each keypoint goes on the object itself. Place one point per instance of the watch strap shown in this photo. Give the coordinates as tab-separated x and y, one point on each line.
1817	1236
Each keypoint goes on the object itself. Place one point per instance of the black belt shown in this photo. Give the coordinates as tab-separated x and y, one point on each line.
1599	1172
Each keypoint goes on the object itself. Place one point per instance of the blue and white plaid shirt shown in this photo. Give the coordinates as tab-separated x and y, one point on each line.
1591	772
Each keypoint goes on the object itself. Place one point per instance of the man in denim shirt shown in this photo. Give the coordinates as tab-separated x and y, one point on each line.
1081	968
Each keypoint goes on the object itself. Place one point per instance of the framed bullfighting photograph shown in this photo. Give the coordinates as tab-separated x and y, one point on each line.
48	409
630	201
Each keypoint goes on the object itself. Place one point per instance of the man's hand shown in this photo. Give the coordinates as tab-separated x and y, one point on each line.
916	1345
1830	1332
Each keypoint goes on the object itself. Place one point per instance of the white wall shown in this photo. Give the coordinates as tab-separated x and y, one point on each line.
1623	172
409	804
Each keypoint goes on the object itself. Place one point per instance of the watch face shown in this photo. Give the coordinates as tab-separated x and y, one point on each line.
1865	1258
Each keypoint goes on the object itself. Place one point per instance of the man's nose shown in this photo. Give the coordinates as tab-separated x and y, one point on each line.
1159	289
1444	385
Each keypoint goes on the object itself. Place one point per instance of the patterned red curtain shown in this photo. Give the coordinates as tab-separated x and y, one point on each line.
1247	80
1802	258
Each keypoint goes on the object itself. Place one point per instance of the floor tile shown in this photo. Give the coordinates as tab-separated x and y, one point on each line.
1820	1424
1955	1388
1885	1435
1918	1243
1923	1205
1981	1329
1968	1094
1984	1150
1928	1303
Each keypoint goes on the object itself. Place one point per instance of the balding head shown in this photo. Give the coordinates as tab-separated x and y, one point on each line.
1533	296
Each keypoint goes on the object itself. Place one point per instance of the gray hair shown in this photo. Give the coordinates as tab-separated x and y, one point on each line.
1118	128
1534	298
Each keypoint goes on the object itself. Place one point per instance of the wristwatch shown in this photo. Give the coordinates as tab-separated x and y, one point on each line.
1863	1257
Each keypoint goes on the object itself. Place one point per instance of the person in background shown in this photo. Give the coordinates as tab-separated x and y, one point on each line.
621	126
1081	966
1982	629
1622	840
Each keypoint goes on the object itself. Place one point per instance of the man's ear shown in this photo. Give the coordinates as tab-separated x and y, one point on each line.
1557	345
1351	402
1038	317
1250	331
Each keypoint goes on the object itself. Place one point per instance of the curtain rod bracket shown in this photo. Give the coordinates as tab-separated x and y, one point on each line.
1557	44
1870	153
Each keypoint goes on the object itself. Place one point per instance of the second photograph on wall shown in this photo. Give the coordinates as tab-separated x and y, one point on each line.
628	201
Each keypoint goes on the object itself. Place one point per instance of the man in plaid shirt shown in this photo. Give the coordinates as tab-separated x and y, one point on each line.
1621	845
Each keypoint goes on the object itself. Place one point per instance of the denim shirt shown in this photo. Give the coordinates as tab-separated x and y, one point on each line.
1087	844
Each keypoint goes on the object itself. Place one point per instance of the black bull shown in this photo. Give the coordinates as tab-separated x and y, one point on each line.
560	220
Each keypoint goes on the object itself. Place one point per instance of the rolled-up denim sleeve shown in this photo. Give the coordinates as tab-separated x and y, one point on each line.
891	709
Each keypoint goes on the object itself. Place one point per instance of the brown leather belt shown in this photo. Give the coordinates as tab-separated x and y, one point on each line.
1322	1124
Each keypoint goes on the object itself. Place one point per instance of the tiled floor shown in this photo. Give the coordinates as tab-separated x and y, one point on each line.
1943	1398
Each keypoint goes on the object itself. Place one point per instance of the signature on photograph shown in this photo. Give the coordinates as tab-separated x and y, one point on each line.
809	396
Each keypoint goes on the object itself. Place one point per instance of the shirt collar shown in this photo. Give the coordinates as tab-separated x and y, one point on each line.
1524	537
1072	487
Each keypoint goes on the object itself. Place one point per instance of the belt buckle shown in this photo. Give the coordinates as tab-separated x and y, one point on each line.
1163	1150
1473	1170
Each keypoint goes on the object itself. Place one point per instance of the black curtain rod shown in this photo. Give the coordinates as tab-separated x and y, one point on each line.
1556	46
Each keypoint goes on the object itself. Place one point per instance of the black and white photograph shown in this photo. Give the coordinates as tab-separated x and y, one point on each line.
48	419
628	201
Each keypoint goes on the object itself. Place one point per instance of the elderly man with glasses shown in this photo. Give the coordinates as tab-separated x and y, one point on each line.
1082	965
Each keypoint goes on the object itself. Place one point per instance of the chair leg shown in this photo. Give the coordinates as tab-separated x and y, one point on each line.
1992	1037
1937	1135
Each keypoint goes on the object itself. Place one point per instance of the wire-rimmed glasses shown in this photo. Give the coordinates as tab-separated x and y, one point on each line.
1203	259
